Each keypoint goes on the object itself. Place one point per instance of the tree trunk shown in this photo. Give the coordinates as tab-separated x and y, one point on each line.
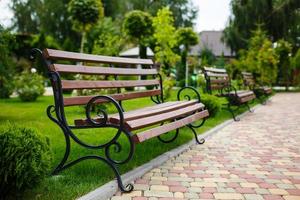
83	37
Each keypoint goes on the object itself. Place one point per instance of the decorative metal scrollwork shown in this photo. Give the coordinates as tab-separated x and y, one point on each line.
186	96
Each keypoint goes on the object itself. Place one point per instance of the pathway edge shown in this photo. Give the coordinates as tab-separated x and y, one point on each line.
107	190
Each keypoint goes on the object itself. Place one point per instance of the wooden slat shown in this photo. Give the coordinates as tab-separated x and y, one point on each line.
84	122
66	55
213	81
83	84
217	86
246	73
147	113
82	100
211	74
215	70
80	69
143	136
148	121
247	98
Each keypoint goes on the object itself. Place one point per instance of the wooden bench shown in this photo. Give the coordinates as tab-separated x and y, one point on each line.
219	81
137	125
261	92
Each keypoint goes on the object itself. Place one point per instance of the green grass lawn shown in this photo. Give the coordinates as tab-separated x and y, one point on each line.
88	175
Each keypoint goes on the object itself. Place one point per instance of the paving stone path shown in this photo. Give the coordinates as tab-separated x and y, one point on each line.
254	159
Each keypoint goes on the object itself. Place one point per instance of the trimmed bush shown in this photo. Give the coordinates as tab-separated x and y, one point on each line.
29	86
212	103
25	159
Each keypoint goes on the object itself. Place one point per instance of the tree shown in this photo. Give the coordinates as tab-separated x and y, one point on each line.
137	25
165	40
105	38
283	50
84	14
6	64
260	59
184	12
186	37
48	16
280	19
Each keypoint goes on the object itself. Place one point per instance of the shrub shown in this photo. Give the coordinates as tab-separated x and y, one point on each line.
29	86
25	158
7	66
168	83
212	103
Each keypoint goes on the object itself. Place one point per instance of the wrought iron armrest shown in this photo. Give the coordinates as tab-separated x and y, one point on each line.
102	114
227	89
187	96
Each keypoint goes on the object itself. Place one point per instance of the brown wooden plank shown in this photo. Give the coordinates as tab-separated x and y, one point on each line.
214	70
210	74
143	136
83	122
217	86
82	57
155	111
148	121
82	100
247	98
80	69
244	93
83	84
246	73
213	81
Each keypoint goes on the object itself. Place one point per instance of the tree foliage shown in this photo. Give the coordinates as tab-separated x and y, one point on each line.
283	50
6	63
105	38
184	12
137	25
186	37
260	59
84	14
280	18
165	39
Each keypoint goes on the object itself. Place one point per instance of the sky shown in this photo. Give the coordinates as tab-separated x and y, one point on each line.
213	14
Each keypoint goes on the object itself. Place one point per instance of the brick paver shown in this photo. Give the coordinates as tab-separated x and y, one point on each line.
256	158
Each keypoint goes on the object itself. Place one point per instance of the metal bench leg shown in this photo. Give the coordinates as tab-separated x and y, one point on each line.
232	112
249	108
202	140
107	159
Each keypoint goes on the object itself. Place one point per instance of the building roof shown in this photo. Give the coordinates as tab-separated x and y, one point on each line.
134	52
211	40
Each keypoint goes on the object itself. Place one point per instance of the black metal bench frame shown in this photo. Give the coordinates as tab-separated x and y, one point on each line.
224	89
261	92
56	113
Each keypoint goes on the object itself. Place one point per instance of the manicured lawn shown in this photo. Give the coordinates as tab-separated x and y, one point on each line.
88	175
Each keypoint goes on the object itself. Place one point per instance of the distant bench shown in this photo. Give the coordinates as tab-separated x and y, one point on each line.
219	81
260	91
151	121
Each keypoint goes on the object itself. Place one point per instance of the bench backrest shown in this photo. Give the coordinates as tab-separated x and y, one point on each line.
216	79
248	79
100	66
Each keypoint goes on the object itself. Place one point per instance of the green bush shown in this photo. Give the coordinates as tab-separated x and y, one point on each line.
29	86
25	159
212	103
7	66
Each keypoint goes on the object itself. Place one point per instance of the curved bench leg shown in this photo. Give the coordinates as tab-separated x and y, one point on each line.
201	141
232	112
249	108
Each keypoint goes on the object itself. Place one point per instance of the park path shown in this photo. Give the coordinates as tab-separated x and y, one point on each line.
254	159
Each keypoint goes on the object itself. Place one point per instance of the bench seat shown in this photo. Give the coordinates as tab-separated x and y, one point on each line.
266	90
242	95
148	116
